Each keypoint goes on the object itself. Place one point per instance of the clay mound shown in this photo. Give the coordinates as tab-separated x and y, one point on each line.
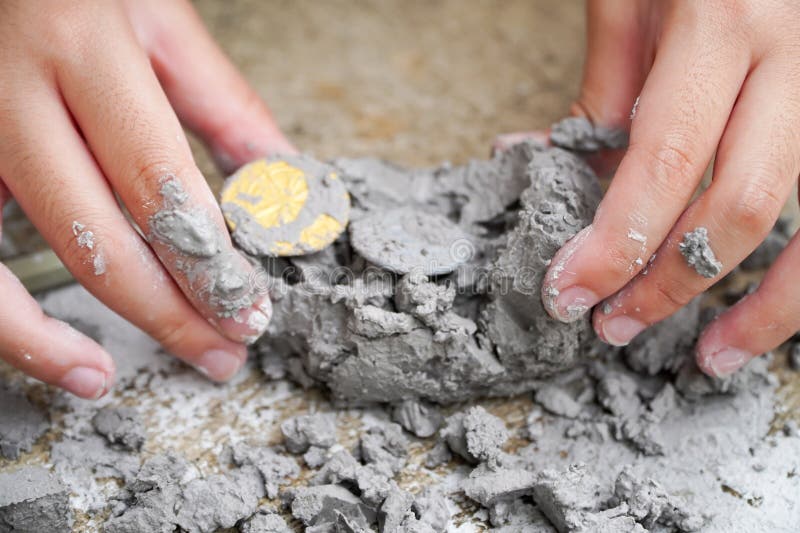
374	336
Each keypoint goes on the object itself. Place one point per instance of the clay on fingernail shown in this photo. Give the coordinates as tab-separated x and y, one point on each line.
574	302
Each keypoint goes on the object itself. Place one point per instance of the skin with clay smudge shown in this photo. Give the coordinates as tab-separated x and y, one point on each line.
111	121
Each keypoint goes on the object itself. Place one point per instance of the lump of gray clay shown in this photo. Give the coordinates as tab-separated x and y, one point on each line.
302	432
21	423
558	401
426	338
566	497
385	446
320	505
423	420
265	523
475	434
487	486
275	469
578	133
120	425
404	240
33	500
650	505
698	254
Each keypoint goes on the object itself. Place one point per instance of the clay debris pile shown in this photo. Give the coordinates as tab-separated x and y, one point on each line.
435	292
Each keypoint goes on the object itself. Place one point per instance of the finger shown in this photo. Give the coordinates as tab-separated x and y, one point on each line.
62	191
47	349
684	106
616	61
756	324
756	167
138	142
209	94
506	140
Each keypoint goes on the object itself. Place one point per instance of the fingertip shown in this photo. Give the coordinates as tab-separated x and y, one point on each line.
222	364
715	357
86	382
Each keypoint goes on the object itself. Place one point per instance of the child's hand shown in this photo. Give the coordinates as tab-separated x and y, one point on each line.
87	92
718	75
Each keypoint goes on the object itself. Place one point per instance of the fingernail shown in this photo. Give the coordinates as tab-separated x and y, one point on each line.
88	383
620	330
573	302
219	365
727	361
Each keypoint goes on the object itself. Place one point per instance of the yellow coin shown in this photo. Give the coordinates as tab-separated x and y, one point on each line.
282	207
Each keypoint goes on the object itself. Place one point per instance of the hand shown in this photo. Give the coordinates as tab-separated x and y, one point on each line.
89	92
717	75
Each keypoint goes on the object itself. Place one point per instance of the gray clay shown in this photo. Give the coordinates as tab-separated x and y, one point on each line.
220	278
475	435
21	423
302	432
578	133
697	251
121	426
327	195
480	331
385	446
275	469
488	486
423	420
32	500
404	240
265	523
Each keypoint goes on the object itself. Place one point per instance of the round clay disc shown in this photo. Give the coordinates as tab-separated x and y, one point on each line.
285	206
404	240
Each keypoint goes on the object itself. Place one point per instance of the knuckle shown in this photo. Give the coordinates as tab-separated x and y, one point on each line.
172	334
672	165
755	209
672	294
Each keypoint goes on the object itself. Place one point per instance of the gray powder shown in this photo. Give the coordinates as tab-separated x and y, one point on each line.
698	253
33	500
21	423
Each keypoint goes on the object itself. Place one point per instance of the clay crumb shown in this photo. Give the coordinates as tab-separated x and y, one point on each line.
698	253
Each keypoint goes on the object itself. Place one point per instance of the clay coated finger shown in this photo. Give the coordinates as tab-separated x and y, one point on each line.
138	142
207	91
758	323
678	124
48	349
756	166
75	210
